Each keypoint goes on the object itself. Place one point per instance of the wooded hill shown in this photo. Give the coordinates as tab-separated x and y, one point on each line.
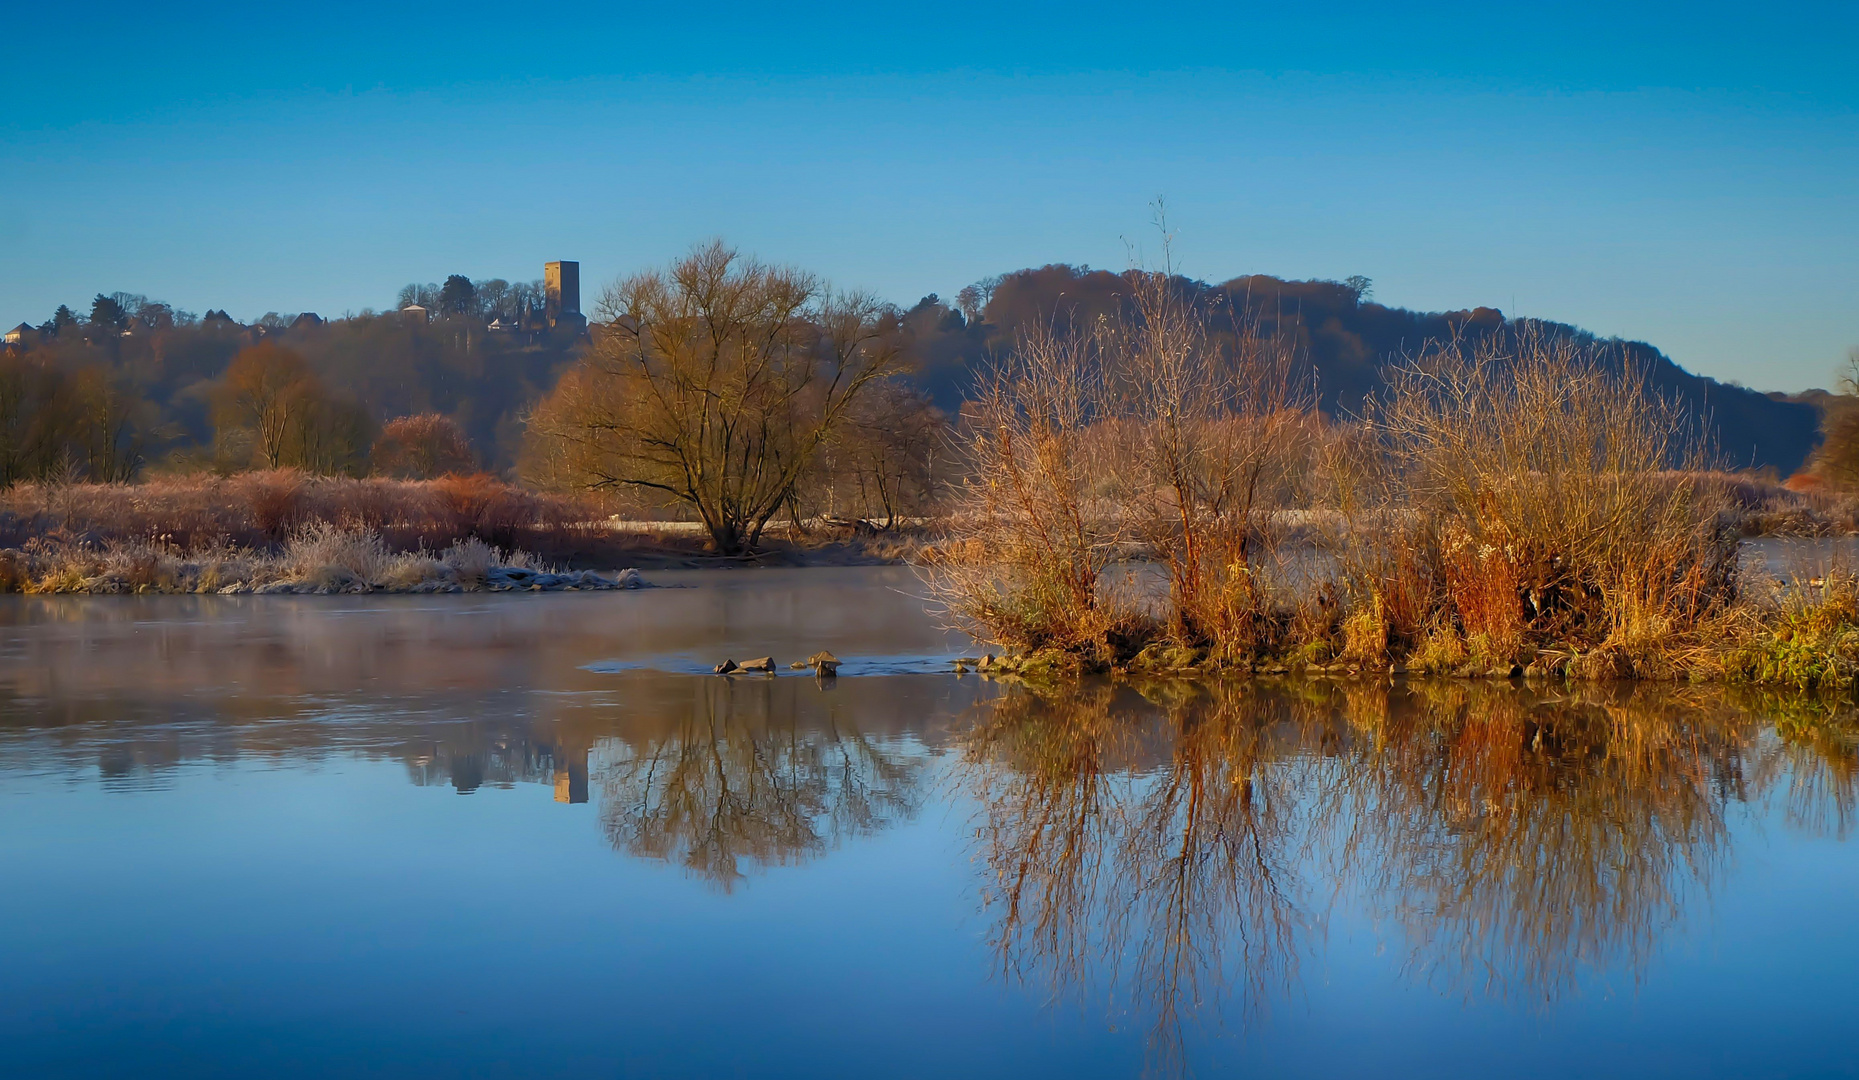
1349	340
389	365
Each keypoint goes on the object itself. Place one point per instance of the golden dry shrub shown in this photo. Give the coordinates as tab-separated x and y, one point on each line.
422	447
1035	530
1553	498
1172	437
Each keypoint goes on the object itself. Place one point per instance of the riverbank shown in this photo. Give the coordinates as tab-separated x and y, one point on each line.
319	559
1803	636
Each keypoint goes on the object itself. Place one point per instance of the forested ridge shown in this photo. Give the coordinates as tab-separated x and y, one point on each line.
1349	341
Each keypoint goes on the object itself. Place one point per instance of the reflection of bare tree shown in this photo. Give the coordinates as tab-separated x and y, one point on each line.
740	776
1156	841
1519	840
1516	838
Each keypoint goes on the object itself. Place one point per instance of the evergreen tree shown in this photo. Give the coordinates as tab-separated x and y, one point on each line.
456	296
60	319
105	311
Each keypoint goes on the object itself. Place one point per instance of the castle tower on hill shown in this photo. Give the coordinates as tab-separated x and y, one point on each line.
561	286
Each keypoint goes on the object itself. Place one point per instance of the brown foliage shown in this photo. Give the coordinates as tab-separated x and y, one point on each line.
272	411
422	447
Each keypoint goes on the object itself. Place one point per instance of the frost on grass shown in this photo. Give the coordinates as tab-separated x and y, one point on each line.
320	558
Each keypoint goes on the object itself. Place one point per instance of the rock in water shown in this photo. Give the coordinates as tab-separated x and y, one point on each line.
725	667
760	663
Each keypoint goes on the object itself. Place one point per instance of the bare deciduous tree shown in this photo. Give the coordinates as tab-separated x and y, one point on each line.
714	383
881	466
271	402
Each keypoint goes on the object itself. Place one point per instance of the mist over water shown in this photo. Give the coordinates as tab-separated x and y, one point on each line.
523	835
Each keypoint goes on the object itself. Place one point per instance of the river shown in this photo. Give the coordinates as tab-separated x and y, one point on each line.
530	835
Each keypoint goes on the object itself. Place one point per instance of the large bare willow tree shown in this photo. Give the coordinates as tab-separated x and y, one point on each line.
714	383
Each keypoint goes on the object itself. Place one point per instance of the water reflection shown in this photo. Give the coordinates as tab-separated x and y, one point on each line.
1148	846
1175	853
745	775
1175	850
1520	840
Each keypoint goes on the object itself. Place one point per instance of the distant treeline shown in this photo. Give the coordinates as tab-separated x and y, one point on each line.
1350	342
137	384
134	384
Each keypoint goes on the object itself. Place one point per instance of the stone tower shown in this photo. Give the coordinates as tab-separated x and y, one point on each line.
561	285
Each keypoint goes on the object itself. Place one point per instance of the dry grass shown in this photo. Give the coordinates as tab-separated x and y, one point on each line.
1550	501
291	531
257	509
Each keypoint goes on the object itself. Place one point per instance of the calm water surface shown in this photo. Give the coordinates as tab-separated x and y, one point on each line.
522	836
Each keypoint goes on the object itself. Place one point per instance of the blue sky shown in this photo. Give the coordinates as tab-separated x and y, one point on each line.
1685	174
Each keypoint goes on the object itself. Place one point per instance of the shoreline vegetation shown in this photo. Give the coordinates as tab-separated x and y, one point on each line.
1517	504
